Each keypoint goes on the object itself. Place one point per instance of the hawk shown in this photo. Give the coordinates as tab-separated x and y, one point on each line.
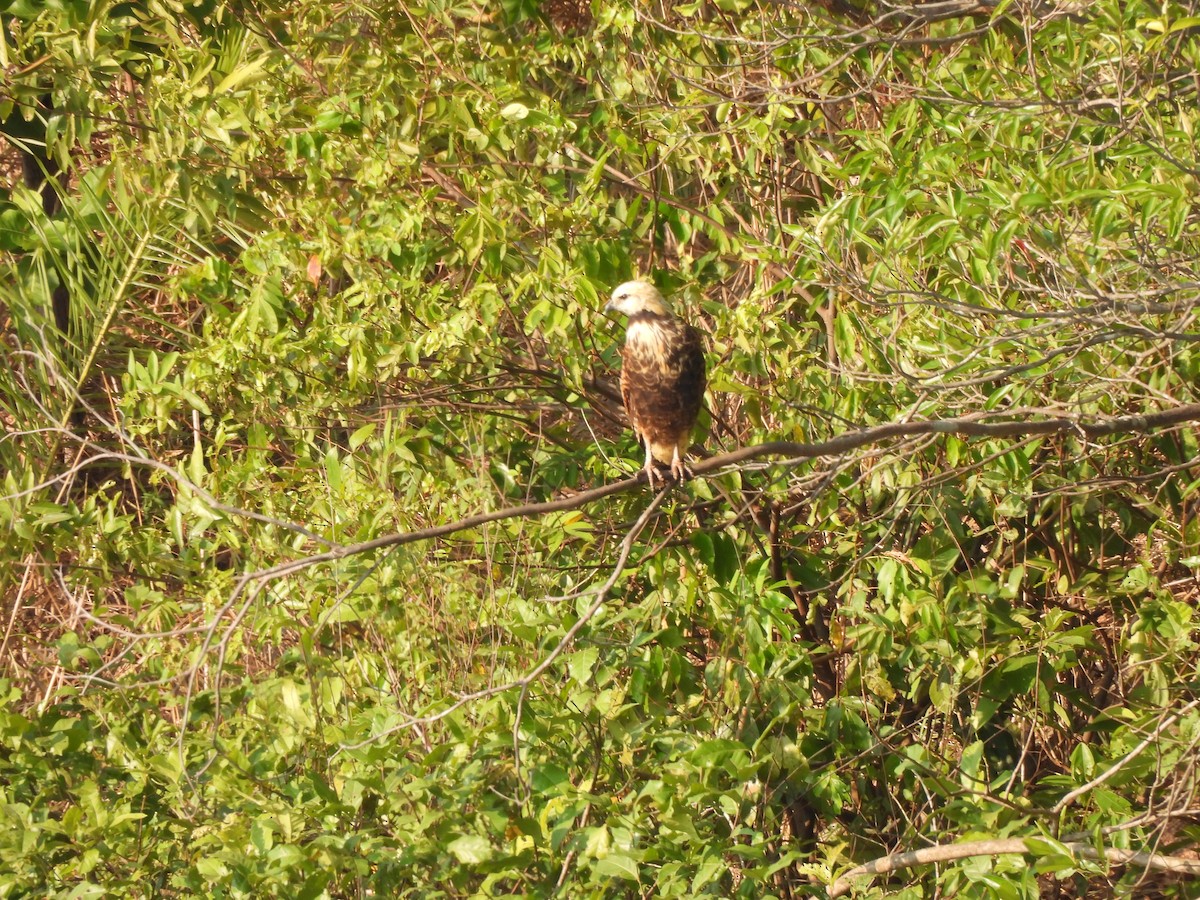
662	376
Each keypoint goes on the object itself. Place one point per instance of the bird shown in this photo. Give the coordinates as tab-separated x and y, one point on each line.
662	376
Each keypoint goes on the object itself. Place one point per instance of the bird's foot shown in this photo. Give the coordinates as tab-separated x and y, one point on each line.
680	470
652	473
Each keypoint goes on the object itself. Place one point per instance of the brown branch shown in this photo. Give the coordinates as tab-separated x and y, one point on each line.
448	185
967	426
1112	770
1008	847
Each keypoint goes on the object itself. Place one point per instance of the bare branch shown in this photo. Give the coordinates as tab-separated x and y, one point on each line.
793	451
1008	847
1112	770
969	426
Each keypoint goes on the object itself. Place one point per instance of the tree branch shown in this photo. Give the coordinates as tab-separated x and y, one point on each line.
1112	770
967	426
1010	846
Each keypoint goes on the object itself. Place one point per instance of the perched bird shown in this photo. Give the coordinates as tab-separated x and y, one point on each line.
662	375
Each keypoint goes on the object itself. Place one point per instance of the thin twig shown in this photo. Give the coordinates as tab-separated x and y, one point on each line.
1116	767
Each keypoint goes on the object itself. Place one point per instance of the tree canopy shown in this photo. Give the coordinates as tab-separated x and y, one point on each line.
326	566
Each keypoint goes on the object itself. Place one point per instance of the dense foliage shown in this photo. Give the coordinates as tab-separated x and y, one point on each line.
329	272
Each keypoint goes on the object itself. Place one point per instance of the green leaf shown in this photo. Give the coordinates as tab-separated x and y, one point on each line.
471	849
581	663
242	74
333	470
617	865
361	435
515	111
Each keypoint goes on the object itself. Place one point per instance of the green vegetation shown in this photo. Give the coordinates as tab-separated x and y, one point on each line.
331	272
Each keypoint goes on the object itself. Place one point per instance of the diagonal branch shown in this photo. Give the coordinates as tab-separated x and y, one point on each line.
965	426
1112	770
1009	847
792	452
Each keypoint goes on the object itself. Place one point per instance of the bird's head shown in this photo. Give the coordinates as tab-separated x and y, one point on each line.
638	296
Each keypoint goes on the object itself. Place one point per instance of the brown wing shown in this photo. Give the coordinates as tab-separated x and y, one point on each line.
663	386
688	355
627	391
